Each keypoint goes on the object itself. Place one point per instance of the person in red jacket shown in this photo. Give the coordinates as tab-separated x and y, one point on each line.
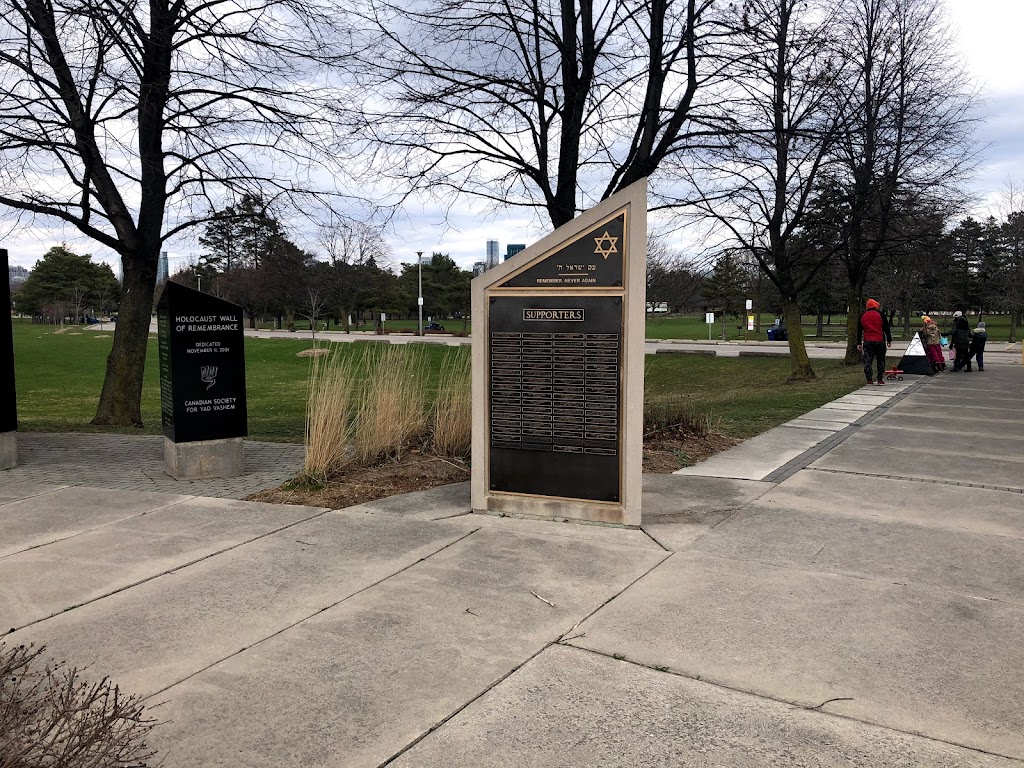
873	338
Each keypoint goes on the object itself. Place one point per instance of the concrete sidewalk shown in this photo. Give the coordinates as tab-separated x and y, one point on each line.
859	602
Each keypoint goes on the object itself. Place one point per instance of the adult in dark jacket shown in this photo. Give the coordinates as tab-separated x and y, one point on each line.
873	338
960	341
977	349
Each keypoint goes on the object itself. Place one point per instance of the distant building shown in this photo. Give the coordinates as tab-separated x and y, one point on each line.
16	275
479	268
492	254
512	249
162	271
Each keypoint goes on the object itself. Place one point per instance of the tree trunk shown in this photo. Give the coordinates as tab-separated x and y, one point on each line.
121	399
853	313
819	331
1013	327
800	363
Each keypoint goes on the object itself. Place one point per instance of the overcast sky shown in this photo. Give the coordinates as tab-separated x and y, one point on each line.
990	38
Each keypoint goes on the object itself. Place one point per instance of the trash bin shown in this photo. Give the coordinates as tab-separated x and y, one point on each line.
771	334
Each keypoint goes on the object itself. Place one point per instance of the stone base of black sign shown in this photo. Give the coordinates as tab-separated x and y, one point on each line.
203	459
8	450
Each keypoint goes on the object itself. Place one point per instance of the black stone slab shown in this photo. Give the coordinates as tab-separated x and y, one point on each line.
8	395
555	395
202	366
594	260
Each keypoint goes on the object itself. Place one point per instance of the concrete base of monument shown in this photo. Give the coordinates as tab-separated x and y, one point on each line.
8	450
558	509
203	459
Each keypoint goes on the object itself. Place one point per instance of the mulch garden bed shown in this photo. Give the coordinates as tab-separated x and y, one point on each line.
665	451
413	471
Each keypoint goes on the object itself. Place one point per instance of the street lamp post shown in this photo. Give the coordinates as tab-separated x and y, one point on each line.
419	300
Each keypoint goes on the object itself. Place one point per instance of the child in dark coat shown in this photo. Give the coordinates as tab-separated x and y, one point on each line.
977	349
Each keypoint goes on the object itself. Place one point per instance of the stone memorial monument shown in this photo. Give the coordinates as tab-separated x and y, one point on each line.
8	396
202	383
558	367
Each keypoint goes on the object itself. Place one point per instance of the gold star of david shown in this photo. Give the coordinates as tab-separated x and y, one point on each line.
606	245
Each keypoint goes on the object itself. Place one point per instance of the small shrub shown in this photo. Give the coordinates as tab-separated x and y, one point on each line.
675	412
50	716
453	408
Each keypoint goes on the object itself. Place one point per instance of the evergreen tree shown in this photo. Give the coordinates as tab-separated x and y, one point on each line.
65	283
726	286
240	235
445	287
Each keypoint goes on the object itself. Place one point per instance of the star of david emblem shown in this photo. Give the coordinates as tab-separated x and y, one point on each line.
606	245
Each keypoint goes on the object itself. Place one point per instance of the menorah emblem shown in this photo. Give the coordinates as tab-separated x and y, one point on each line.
209	375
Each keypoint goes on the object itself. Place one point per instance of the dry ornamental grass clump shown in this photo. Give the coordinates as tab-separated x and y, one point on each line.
453	407
392	405
675	412
373	405
332	381
50	716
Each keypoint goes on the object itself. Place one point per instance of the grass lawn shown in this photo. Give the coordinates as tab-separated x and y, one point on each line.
59	376
747	395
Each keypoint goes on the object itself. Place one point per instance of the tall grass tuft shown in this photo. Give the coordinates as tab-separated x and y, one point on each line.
453	407
675	412
391	411
329	415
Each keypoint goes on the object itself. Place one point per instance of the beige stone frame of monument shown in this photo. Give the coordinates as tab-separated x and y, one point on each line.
633	202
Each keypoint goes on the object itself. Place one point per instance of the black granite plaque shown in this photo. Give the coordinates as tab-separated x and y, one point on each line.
593	260
202	366
555	395
8	396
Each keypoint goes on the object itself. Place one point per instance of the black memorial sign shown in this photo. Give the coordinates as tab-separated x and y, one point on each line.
593	260
202	366
8	397
555	402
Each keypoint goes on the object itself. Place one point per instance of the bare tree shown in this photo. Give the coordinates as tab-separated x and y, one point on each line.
672	279
135	118
358	253
534	104
348	241
317	299
909	139
760	188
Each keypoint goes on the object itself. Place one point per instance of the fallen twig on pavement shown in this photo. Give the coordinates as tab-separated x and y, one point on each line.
542	599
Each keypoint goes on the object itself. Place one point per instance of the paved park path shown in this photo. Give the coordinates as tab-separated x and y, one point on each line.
860	602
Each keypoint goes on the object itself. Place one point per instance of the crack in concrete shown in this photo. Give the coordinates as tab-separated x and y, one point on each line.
795	704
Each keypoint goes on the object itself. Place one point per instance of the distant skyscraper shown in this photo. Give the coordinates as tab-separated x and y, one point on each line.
479	268
512	249
162	272
492	254
16	275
